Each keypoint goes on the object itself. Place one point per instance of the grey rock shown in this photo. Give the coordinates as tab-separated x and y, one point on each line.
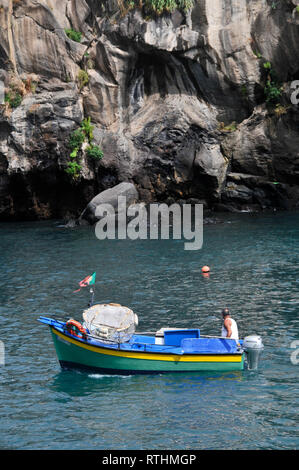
110	196
239	193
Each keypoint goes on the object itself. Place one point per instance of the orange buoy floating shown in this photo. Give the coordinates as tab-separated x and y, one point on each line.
205	269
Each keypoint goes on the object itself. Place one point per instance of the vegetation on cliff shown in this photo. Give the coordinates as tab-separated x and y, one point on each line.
156	7
82	135
273	90
73	34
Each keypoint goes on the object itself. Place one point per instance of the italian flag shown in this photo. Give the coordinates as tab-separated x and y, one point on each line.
87	281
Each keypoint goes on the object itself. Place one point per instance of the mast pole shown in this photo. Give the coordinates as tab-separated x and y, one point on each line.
91	290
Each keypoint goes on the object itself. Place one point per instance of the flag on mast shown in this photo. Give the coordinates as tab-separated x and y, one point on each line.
87	281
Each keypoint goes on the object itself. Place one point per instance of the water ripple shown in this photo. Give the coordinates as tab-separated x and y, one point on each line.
254	271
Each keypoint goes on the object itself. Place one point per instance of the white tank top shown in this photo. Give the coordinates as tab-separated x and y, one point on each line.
234	327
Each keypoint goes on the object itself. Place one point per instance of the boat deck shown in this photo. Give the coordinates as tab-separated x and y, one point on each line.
177	342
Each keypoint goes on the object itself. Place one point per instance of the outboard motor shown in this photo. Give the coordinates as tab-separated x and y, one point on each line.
253	347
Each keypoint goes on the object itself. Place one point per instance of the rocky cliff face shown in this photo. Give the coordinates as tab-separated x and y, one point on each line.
177	102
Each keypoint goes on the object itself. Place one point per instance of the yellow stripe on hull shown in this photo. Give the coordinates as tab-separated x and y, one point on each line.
237	358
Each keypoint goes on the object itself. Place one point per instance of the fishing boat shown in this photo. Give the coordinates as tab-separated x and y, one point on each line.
107	343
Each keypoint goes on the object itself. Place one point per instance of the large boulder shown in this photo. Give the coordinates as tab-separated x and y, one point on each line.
109	196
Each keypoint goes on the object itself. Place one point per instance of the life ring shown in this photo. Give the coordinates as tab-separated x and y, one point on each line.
76	329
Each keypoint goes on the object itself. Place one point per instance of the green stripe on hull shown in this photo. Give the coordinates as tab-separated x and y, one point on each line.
71	353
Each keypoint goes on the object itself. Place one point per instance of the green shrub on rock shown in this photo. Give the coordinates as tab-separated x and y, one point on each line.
73	35
73	169
87	129
272	89
83	79
13	98
273	92
95	152
77	138
156	7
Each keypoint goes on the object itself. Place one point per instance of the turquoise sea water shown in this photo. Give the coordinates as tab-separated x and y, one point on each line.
254	271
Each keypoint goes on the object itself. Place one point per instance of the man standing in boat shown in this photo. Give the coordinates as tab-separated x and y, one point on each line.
229	327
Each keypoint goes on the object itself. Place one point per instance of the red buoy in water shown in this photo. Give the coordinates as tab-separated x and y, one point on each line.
205	269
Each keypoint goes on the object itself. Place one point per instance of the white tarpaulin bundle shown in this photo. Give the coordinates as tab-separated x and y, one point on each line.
110	322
